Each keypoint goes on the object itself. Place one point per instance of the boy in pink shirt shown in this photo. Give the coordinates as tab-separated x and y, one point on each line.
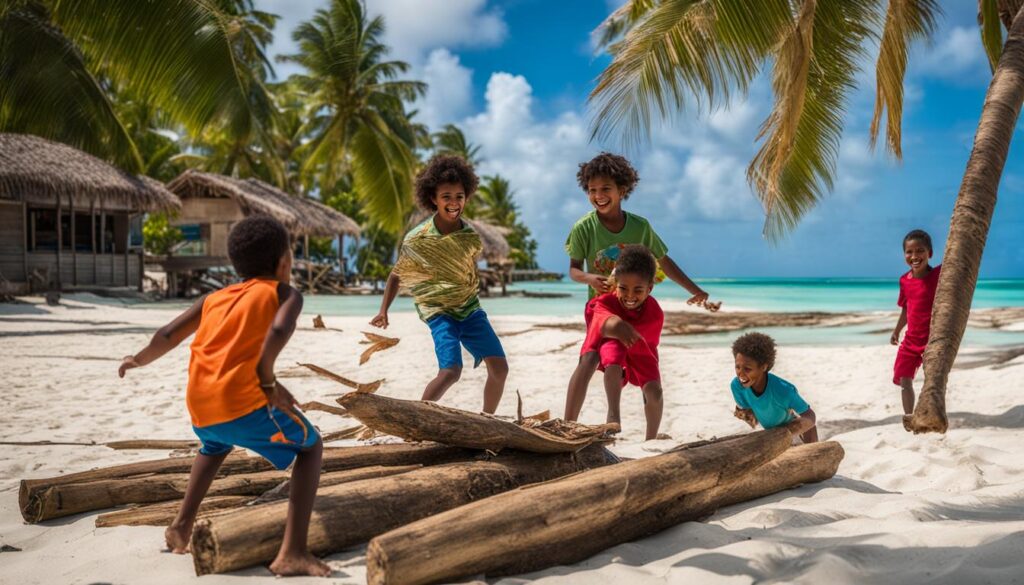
917	292
624	328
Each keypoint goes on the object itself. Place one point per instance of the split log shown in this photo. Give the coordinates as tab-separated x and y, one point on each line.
355	512
40	499
163	513
562	521
418	420
357	386
152	444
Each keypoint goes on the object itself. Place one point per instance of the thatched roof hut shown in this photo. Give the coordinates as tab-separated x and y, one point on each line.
302	216
38	171
70	219
495	246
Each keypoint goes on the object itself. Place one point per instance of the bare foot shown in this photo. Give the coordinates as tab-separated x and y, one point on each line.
300	564
177	539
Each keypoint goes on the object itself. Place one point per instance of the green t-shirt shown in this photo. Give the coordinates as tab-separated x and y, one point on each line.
590	241
439	270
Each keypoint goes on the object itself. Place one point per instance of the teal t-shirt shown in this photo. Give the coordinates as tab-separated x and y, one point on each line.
599	248
772	407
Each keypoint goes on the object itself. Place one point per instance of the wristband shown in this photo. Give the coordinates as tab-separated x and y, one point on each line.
269	385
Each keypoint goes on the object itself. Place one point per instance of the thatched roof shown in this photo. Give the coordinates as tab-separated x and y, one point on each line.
38	170
302	216
496	248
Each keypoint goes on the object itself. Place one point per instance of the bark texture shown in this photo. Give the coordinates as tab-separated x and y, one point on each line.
355	512
44	499
418	420
563	521
968	230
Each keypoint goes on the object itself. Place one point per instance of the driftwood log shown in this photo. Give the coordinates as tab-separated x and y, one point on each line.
352	513
161	514
562	521
44	499
418	420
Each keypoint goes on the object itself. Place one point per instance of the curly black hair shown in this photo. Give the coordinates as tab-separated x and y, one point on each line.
756	346
636	259
256	244
613	166
444	168
921	236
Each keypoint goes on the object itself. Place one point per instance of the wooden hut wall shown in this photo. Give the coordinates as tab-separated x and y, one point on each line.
218	213
12	241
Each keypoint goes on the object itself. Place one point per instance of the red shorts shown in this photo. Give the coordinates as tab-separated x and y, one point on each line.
639	369
908	360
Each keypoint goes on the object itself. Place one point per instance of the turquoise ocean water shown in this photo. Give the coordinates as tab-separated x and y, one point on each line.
841	295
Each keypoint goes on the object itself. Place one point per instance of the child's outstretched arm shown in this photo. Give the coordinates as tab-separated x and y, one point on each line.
616	328
676	274
802	423
900	324
288	309
166	338
390	292
594	281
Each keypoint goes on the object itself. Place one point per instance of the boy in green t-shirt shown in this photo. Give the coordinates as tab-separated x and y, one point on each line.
595	242
437	265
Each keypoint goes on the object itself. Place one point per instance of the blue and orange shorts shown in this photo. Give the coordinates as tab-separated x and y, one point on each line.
275	435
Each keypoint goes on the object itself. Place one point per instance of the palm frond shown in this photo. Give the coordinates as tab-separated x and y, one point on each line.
382	169
906	21
620	21
841	28
683	50
991	31
48	89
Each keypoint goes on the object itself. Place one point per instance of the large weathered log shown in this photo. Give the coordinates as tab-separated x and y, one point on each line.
40	499
565	520
419	420
162	513
355	512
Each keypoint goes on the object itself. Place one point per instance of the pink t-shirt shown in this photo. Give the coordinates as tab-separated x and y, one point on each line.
917	296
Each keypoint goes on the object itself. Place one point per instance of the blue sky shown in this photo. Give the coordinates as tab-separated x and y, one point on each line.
515	74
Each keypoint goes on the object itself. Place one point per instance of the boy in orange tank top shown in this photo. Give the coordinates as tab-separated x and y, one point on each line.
233	398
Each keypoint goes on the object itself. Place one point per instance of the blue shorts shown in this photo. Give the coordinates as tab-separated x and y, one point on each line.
266	430
474	332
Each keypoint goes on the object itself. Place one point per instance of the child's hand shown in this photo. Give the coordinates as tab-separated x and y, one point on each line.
626	333
280	398
698	299
598	283
746	415
381	320
895	338
127	363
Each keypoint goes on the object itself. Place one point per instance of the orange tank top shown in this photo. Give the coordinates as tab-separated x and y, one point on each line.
222	380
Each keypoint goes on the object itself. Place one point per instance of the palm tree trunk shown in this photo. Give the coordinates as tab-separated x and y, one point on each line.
968	229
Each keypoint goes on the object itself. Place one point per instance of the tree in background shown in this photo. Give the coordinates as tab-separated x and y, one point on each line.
357	118
60	63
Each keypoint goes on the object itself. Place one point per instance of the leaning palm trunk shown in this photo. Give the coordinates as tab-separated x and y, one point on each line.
968	229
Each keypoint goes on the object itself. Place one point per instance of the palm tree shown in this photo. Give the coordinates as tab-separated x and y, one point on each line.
358	121
60	61
665	51
495	202
451	140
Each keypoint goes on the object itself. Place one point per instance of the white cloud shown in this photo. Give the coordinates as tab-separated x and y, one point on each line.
449	89
956	55
414	27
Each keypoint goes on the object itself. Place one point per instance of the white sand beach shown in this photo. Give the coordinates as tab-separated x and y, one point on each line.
902	508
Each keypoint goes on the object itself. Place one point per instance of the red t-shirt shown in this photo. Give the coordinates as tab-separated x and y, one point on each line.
642	358
917	296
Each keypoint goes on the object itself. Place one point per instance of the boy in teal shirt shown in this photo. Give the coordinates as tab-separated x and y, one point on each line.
594	244
762	397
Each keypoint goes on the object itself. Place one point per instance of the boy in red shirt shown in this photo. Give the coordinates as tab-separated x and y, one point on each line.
917	292
624	328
